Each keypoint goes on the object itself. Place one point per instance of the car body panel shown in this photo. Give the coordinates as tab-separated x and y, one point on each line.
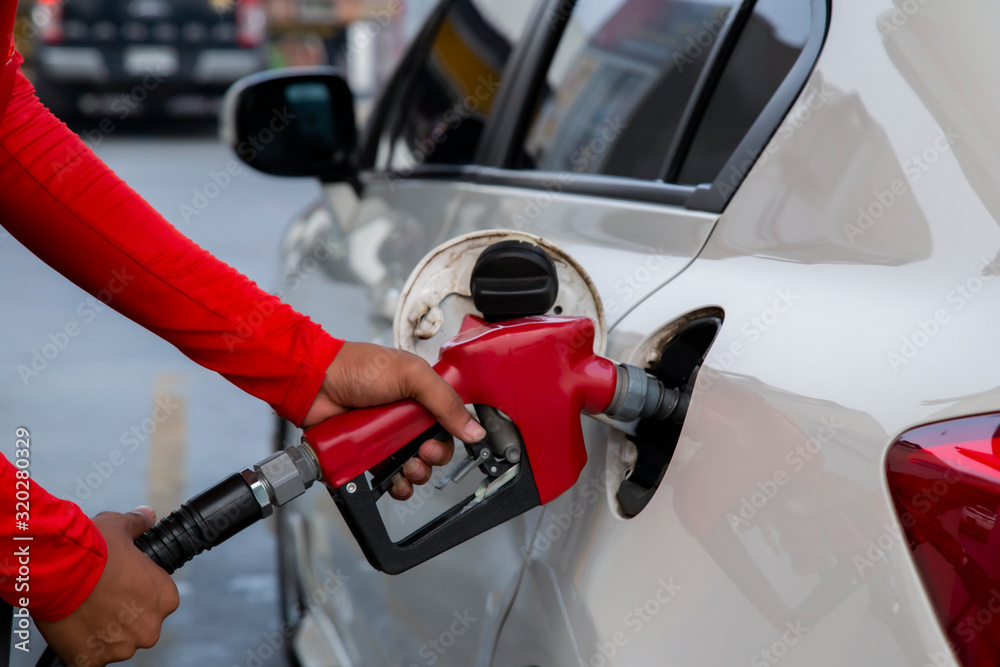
855	270
824	553
628	249
401	619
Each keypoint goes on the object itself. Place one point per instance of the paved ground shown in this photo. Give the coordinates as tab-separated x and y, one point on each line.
108	379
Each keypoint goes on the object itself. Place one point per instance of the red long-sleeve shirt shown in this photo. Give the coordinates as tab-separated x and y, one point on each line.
67	207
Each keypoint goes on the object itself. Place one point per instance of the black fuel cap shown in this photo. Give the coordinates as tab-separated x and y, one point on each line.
514	279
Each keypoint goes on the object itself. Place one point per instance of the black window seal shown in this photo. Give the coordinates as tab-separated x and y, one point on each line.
386	114
523	78
522	81
401	84
714	197
563	182
704	88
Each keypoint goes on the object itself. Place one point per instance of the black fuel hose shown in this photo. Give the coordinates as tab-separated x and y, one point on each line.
206	520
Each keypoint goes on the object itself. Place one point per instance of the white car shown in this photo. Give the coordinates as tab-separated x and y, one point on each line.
791	206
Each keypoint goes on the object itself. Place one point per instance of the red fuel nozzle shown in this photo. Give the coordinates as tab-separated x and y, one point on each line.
541	373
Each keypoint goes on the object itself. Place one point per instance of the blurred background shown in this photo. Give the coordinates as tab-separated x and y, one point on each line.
118	417
131	59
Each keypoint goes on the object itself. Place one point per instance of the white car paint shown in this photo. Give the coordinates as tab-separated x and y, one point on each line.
855	269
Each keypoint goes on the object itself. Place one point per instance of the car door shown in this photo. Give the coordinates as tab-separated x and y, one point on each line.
641	126
434	111
579	124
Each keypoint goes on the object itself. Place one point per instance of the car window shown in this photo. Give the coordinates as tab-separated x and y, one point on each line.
767	48
618	84
452	93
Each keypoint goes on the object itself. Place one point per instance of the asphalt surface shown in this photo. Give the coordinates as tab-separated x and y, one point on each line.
91	409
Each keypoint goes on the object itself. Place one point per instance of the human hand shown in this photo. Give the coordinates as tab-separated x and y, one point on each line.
125	610
363	375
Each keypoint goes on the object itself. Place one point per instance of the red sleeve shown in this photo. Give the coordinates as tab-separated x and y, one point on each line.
73	212
69	209
53	571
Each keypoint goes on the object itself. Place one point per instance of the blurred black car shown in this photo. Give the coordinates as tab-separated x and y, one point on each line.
132	58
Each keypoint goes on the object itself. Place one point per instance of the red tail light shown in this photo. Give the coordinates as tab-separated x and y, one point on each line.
945	482
250	23
48	18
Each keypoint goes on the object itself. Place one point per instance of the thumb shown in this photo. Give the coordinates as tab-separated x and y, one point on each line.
440	398
139	520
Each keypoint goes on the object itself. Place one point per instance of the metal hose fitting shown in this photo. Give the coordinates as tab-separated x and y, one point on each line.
640	395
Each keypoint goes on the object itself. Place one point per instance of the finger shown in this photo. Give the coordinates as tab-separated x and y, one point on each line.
139	520
401	488
147	631
147	512
171	597
416	471
436	452
431	391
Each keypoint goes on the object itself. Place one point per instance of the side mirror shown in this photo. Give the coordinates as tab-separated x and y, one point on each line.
292	122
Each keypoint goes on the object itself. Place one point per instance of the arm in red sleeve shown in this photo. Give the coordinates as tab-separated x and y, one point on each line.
73	212
52	573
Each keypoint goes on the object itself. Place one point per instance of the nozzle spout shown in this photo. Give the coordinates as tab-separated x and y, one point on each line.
639	395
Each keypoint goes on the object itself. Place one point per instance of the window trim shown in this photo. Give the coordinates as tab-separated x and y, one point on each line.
563	182
526	70
501	139
714	197
389	106
400	84
708	80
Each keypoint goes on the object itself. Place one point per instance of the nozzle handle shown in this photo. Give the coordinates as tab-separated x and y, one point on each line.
357	499
359	440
